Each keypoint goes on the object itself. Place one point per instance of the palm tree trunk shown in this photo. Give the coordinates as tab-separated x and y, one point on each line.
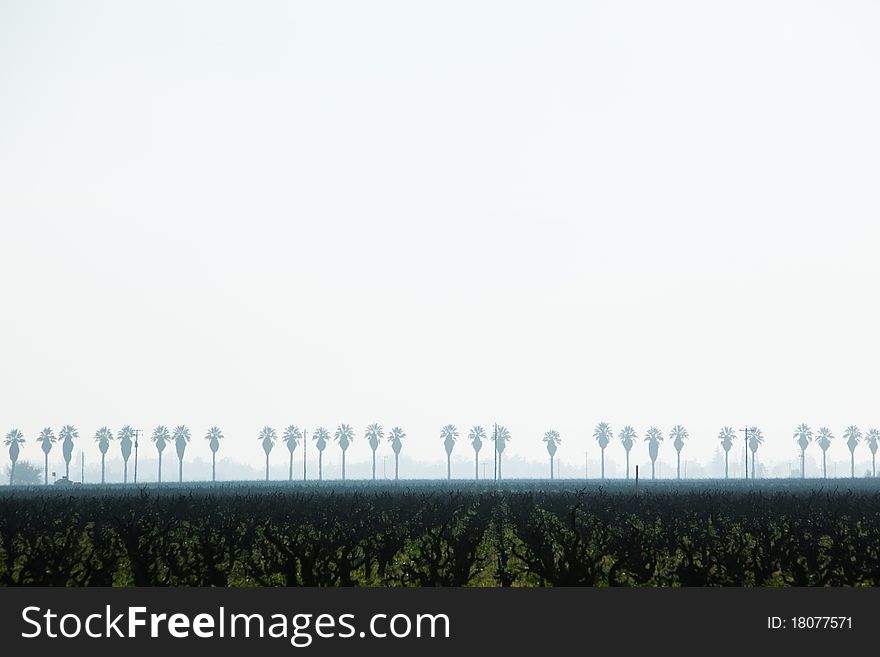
267	466
125	471
726	470
824	468
448	466
343	465
803	465
374	465
476	466
290	469
102	467
213	466
396	458
627	464
551	468
321	466
67	468
753	465
12	474
160	467
180	470
852	464
652	469
873	464
677	464
603	463
499	466
46	470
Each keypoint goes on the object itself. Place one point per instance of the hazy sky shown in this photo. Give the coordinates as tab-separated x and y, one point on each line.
545	214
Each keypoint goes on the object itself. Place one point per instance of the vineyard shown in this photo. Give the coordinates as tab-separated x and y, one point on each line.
524	534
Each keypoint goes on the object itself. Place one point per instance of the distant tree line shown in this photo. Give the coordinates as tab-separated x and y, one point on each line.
293	436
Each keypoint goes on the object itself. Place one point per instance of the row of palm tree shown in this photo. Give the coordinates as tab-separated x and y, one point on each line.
127	438
853	437
804	437
753	437
628	437
293	436
47	438
374	434
477	435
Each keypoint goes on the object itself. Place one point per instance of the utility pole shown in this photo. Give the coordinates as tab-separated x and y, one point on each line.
746	460
137	433
495	441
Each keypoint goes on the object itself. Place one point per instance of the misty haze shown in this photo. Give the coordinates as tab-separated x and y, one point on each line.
465	294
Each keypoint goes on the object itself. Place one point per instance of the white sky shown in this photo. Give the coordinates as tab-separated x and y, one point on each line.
542	213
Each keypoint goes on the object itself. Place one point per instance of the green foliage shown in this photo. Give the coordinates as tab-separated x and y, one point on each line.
26	474
430	535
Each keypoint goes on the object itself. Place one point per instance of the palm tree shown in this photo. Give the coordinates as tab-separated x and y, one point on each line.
396	439
103	437
873	440
214	436
756	438
344	436
124	436
161	438
321	436
552	439
603	436
727	435
501	438
678	435
181	439
449	434
46	440
67	434
477	435
374	434
627	438
268	437
804	436
291	437
14	440
653	437
824	439
853	436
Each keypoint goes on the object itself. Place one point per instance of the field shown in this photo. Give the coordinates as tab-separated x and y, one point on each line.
521	533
